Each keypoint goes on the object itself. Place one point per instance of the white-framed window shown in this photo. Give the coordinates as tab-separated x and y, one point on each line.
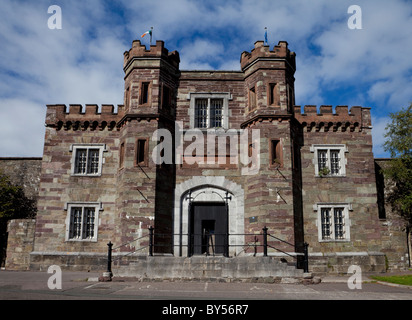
333	221
87	159
82	221
329	159
209	110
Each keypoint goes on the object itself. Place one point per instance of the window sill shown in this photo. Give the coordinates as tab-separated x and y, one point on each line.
330	176
81	240
334	240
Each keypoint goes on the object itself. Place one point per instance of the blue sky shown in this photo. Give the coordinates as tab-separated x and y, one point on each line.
82	62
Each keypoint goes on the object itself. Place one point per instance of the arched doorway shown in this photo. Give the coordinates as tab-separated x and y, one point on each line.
200	206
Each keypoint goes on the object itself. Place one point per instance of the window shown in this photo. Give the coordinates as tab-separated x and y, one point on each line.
144	92
142	145
122	153
252	99
82	221
273	97
275	153
127	97
166	96
333	222
201	113
216	106
208	113
329	160
209	110
87	159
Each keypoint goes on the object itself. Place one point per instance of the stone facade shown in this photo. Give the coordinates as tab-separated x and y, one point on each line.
306	175
20	243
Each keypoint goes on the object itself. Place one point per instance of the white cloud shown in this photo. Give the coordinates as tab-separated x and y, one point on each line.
22	127
194	54
82	63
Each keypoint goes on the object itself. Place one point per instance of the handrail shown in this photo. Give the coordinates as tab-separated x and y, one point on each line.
124	244
281	240
265	245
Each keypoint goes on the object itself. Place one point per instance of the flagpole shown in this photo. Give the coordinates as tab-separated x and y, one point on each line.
266	35
151	33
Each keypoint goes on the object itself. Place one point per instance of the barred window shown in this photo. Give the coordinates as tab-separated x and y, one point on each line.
322	159
82	221
201	113
329	160
333	222
326	223
339	223
209	110
208	113
216	106
334	162
87	159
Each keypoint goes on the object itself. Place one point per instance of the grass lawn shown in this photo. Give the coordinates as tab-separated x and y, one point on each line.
405	280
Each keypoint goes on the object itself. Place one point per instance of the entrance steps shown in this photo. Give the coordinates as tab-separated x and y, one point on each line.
205	268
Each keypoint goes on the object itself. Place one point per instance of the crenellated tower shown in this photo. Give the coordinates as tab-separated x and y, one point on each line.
146	188
269	79
150	79
269	96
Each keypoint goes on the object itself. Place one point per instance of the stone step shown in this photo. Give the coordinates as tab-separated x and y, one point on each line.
202	267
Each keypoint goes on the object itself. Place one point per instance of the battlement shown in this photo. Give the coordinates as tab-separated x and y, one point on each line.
260	50
59	116
357	118
139	50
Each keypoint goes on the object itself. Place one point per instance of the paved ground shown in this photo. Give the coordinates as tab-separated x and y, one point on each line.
30	285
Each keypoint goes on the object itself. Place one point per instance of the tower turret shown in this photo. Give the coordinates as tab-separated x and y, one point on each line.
269	79
150	79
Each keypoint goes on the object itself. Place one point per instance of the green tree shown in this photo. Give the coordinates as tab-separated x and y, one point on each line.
13	202
13	205
399	171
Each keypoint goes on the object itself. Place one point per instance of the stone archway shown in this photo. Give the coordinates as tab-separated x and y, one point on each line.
208	189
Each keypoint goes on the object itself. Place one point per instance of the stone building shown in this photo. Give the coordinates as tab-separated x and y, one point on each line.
209	155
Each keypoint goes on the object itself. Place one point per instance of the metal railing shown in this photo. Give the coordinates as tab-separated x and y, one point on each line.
208	244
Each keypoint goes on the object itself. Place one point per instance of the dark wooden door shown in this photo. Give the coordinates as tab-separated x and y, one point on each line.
209	225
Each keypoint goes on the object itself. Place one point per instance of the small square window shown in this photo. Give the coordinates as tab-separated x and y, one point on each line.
329	160
333	222
209	110
87	159
82	221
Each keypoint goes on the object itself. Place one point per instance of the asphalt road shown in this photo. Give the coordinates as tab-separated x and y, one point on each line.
29	285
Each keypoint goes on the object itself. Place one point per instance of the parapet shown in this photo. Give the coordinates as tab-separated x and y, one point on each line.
77	119
139	50
262	51
357	118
